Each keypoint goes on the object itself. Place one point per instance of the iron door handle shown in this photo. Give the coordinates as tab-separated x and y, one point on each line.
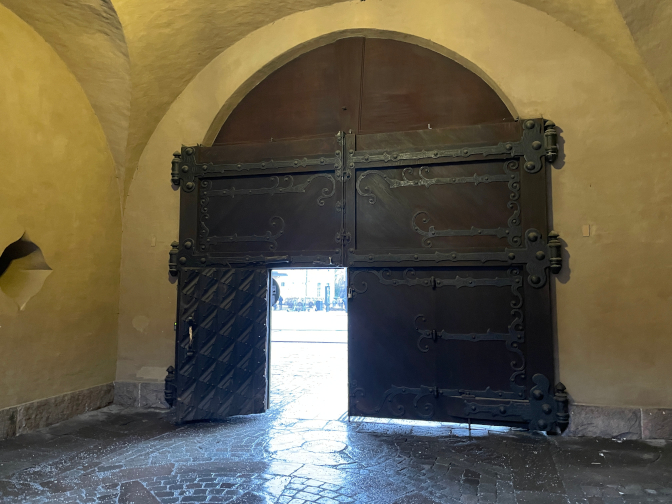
191	323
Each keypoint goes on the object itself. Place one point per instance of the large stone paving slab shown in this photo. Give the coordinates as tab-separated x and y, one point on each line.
293	455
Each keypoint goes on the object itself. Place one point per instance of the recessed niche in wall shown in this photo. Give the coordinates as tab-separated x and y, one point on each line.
23	270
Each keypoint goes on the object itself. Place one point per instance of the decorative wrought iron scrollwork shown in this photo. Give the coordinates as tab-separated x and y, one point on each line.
529	146
410	278
272	165
444	335
290	188
541	411
268	236
535	256
424	410
422	180
510	176
204	202
512	233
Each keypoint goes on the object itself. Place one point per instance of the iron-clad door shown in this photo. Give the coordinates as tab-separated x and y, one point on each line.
244	209
221	344
449	256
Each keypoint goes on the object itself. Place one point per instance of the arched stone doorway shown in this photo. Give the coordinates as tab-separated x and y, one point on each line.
407	168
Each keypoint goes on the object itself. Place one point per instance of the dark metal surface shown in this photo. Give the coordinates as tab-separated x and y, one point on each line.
450	320
444	232
221	352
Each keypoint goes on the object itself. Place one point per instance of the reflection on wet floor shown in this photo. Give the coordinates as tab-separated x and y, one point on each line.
302	451
309	380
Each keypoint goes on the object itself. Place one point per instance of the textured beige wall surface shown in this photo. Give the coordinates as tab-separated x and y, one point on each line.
89	38
650	22
613	298
59	187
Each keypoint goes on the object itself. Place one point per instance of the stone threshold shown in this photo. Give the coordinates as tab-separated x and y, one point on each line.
140	394
619	423
41	413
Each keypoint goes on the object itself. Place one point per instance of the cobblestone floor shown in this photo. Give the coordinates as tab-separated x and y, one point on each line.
295	454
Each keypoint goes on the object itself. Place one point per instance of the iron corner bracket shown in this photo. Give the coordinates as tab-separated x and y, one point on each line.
172	259
548	412
554	251
561	407
181	170
550	141
170	389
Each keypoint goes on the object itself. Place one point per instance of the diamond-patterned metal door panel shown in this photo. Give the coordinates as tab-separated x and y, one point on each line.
221	343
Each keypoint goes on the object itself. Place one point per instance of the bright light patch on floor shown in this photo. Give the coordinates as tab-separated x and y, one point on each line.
309	350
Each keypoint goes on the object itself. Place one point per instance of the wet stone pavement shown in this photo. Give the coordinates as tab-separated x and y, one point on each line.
295	454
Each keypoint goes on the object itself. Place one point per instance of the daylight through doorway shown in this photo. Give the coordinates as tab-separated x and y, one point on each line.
309	343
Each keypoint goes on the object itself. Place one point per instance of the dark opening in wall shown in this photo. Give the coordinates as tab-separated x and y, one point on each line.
23	270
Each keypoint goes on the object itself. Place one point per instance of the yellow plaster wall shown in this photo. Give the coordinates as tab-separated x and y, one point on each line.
59	187
89	38
614	296
650	22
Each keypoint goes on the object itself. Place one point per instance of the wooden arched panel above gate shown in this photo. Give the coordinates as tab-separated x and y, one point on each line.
362	86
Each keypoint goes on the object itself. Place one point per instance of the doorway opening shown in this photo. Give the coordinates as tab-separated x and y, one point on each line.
309	343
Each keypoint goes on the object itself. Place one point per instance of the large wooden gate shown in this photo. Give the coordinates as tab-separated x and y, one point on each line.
445	235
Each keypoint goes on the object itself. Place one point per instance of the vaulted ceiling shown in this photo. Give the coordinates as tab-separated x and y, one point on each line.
134	57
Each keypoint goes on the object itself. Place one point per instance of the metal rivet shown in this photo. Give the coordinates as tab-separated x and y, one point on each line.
542	424
512	256
188	244
534	279
508	146
529	166
185	169
540	255
533	236
529	124
202	260
546	408
502	410
189	151
189	185
536	145
538	394
351	151
183	260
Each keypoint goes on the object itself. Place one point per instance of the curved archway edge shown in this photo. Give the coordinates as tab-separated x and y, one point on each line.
541	68
328	38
